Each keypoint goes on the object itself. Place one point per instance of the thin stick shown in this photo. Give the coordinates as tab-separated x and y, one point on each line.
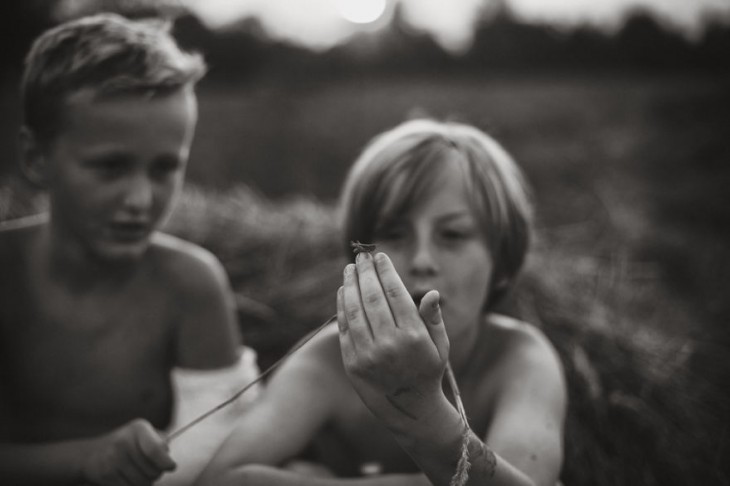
451	379
461	476
177	433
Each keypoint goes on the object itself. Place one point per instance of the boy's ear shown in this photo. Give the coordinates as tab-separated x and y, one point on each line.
33	161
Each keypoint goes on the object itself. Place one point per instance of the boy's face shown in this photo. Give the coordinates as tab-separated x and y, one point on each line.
114	168
439	244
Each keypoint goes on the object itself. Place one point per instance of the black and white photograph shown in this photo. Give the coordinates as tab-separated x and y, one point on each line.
364	242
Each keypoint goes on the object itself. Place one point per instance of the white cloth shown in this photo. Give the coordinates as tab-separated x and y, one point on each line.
196	392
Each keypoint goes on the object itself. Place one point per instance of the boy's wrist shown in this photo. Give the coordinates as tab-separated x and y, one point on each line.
438	423
79	452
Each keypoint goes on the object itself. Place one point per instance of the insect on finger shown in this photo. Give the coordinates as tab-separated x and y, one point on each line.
372	293
358	247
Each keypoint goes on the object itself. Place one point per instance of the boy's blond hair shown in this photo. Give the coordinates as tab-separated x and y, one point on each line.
107	55
401	165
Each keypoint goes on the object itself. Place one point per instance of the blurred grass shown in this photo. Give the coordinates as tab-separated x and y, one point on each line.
283	260
630	272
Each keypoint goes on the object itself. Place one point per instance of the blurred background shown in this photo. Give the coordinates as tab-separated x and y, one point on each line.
618	111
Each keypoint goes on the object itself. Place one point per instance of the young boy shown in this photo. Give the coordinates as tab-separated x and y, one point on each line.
450	214
101	313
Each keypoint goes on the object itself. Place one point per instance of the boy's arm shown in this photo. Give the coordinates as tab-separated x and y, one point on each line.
261	475
210	365
207	334
395	356
524	442
134	453
527	424
298	400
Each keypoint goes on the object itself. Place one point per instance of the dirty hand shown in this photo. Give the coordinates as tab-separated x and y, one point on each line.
394	353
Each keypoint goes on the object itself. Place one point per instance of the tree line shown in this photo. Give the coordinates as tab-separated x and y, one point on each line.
501	43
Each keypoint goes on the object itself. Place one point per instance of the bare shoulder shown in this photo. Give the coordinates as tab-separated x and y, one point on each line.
315	370
318	363
189	266
206	323
320	356
527	352
526	427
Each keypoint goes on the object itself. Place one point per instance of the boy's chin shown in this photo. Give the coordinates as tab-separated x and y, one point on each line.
121	252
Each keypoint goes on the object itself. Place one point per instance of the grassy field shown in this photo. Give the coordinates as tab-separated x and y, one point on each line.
630	272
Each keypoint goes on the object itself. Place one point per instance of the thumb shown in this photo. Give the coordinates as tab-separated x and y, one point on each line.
154	447
430	311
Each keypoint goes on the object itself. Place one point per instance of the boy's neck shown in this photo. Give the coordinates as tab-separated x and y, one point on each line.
65	260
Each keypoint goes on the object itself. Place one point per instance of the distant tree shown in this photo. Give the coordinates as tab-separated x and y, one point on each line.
589	48
501	40
240	50
713	51
644	43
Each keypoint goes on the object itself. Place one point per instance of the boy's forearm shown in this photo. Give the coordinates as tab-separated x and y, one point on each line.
435	444
260	475
58	463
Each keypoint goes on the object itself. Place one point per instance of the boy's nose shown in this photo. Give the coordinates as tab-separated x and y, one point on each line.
423	262
138	196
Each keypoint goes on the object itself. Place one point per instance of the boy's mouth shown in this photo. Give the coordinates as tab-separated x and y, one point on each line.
129	231
417	299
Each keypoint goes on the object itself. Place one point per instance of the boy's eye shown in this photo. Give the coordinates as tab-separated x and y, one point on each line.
452	235
109	165
456	234
166	166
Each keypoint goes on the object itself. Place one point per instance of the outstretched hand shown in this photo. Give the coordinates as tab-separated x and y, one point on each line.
394	353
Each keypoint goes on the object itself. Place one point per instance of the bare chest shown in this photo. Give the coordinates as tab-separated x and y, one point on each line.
357	444
76	365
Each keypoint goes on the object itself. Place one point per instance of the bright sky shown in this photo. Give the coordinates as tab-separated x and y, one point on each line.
323	23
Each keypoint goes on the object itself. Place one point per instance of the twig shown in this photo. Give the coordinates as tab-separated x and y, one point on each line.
461	476
177	433
451	379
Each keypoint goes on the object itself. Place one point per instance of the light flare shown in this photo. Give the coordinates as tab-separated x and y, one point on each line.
361	11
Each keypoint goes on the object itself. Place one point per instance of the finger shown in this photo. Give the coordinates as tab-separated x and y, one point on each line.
375	304
357	322
154	448
430	311
347	346
399	300
130	474
137	455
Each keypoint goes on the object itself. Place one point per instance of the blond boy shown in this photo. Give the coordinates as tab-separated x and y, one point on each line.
99	309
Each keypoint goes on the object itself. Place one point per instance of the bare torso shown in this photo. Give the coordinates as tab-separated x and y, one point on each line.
76	362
